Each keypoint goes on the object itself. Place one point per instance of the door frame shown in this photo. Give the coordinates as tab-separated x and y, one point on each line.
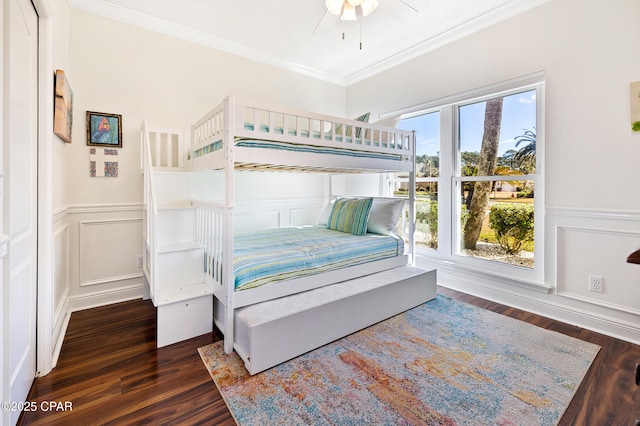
45	299
44	286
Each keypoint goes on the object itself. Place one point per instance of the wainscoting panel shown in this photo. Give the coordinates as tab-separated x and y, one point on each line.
585	251
305	216
106	250
264	214
256	220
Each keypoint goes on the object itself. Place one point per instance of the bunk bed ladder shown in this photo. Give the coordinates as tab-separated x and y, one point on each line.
172	257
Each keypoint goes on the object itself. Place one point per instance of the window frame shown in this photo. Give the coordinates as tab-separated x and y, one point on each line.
450	179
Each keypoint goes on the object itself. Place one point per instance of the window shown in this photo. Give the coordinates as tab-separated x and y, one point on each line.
427	127
479	178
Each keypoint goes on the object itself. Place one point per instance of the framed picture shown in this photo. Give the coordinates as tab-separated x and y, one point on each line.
63	107
104	129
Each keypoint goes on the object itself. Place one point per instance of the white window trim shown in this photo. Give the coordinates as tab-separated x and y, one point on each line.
447	252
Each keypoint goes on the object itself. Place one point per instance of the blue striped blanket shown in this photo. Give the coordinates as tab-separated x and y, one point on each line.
289	146
285	253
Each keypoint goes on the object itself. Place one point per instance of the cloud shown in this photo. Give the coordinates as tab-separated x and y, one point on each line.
530	100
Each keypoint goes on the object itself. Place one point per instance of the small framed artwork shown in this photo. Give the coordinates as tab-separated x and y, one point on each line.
104	129
63	107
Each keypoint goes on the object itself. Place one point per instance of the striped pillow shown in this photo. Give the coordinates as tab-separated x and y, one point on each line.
350	215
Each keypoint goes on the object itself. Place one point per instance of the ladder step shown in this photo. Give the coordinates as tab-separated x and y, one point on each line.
179	267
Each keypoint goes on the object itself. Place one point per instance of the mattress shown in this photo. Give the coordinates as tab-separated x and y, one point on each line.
315	149
294	147
285	253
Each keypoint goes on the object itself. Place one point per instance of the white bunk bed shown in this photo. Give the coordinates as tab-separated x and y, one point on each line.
277	321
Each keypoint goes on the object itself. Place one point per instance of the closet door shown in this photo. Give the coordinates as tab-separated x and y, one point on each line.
20	189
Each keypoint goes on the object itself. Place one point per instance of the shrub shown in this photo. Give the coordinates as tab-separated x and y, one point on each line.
430	217
512	224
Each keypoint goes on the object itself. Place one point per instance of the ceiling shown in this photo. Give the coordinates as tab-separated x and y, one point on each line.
300	35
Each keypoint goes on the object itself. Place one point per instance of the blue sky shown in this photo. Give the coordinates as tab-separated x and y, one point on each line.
518	113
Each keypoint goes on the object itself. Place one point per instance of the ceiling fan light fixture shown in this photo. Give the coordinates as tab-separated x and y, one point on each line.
355	3
334	6
348	12
368	6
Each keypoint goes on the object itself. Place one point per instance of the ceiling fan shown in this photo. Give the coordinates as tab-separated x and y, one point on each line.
346	9
350	10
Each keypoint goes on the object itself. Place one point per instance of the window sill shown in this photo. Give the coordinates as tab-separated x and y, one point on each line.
457	269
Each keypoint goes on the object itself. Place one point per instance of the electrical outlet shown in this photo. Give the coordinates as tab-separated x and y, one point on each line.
595	283
139	261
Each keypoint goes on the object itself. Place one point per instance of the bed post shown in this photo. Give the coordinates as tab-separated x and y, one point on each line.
228	278
412	200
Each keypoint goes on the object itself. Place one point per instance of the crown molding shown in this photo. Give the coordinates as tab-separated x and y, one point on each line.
158	25
182	32
472	26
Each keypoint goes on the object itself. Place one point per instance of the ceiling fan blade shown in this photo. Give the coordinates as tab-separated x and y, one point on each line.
327	23
397	10
410	4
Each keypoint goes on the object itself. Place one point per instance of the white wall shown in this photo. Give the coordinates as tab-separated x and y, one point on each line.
121	69
587	52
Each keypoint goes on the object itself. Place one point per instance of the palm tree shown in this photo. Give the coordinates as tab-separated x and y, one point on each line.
526	155
508	159
486	167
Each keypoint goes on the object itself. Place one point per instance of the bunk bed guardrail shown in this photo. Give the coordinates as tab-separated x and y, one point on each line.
211	227
255	120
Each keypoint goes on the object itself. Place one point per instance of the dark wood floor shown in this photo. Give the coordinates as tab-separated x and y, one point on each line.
111	372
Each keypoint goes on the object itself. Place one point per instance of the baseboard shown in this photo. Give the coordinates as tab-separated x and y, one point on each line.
577	316
57	347
107	297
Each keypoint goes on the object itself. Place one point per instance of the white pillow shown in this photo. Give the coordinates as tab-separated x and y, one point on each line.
324	217
384	216
389	121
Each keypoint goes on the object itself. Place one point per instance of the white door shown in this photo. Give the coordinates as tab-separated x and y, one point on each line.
21	172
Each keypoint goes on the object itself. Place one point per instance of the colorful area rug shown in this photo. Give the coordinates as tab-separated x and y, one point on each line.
442	363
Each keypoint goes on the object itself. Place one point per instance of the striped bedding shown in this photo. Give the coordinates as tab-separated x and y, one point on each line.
285	253
288	146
